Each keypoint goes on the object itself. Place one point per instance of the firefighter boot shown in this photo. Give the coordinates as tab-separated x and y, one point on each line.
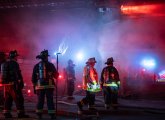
80	107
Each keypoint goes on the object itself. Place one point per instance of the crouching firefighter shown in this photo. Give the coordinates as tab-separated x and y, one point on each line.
13	84
90	85
110	83
43	77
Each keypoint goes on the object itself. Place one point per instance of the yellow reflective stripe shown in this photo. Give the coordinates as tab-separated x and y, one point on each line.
44	87
39	111
112	84
51	111
93	88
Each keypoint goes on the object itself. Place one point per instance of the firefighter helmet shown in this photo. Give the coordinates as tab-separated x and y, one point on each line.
43	54
91	60
109	60
13	54
70	62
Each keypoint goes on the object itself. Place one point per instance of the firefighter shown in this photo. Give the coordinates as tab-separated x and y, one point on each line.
69	73
90	85
43	77
110	83
13	84
2	60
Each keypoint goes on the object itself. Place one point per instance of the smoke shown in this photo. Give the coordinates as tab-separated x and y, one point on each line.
31	31
123	39
129	39
101	35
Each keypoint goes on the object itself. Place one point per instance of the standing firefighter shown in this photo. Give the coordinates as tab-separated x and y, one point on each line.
110	82
13	84
43	76
90	85
2	60
70	78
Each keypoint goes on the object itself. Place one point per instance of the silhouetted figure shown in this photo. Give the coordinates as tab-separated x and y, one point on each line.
43	77
13	84
69	74
2	60
110	83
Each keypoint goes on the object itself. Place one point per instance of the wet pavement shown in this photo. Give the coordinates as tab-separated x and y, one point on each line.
128	108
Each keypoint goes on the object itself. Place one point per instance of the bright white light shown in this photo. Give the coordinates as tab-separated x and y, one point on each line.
29	91
148	63
61	49
55	53
80	56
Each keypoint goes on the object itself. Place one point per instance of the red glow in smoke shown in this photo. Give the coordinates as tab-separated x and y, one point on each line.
153	9
29	91
60	76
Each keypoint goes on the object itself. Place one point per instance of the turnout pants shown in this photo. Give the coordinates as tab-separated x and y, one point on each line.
70	87
10	95
110	95
41	99
89	99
